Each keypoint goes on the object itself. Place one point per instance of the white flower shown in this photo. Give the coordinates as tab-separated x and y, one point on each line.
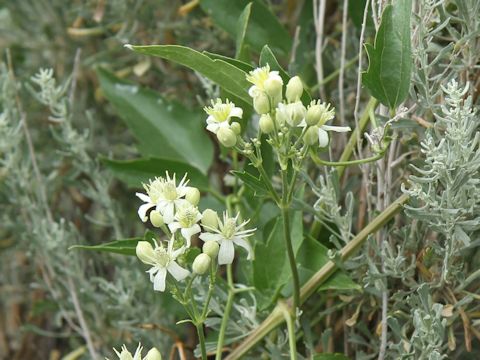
325	113
258	77
124	354
227	234
187	217
293	113
219	114
153	189
171	197
162	260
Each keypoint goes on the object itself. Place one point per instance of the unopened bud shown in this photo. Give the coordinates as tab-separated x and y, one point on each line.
201	264
311	135
153	354
314	113
227	137
145	252
210	219
192	195
156	218
294	89
236	128
261	104
211	248
273	87
266	124
297	113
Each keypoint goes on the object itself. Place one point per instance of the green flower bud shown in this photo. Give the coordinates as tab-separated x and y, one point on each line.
236	128
192	195
297	113
266	124
145	252
153	354
227	137
201	264
211	248
314	113
294	89
311	136
261	104
273	88
210	219
156	218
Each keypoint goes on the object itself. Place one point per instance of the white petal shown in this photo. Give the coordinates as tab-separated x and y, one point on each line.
177	271
210	237
213	127
253	91
143	197
168	213
322	138
226	252
336	128
236	112
303	123
189	232
142	211
174	226
246	245
159	280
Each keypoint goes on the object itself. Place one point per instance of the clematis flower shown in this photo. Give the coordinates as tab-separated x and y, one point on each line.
219	114
171	197
162	260
124	354
186	219
226	235
153	190
259	77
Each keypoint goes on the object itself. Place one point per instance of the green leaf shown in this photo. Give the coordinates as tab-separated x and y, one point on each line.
252	182
390	59
311	257
136	172
226	75
330	356
246	67
242	25
263	26
123	247
164	129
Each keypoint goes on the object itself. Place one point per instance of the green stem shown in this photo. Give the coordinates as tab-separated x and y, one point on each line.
267	181
292	338
276	316
226	315
201	340
291	257
319	161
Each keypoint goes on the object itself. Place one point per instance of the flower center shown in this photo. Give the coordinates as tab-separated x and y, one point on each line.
229	228
170	191
258	76
187	217
161	257
154	189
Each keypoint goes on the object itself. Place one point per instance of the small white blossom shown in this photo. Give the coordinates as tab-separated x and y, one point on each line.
153	189
124	354
162	260
186	219
258	77
226	235
219	114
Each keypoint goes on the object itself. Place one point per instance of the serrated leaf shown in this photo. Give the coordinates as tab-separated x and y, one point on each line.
390	59
138	171
226	75
263	28
164	129
123	247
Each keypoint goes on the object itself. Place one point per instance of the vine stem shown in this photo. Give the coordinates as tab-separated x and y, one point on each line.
276	316
226	315
292	339
201	340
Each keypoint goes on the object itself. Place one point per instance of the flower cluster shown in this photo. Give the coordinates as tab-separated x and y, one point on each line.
173	207
124	354
279	112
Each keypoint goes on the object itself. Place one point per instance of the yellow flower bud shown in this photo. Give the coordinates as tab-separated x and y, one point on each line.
266	124
156	218
236	128
192	195
211	248
210	219
227	137
273	87
201	264
314	113
145	252
294	89
311	136
153	354
261	103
